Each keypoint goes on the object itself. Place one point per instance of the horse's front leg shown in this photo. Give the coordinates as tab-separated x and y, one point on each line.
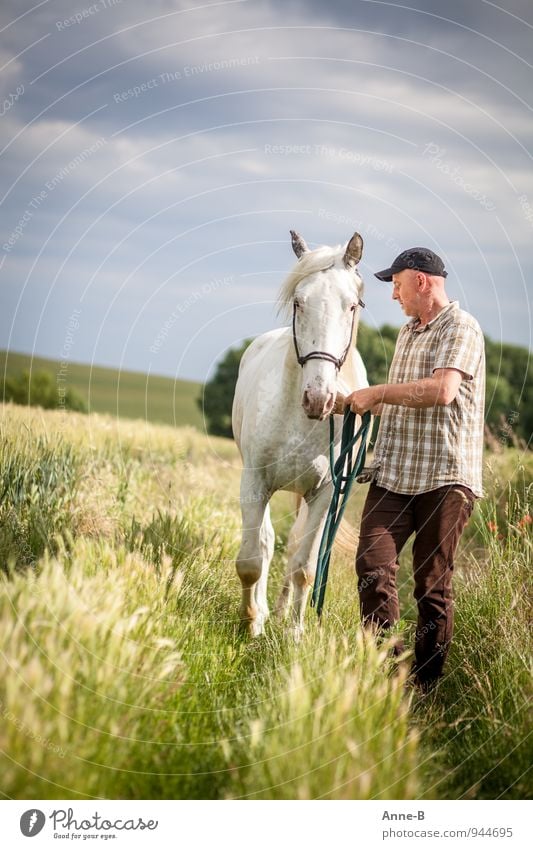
303	564
256	550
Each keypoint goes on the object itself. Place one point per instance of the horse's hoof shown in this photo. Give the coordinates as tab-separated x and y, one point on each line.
252	627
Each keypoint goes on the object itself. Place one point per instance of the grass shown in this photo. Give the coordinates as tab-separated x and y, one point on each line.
127	394
123	673
481	721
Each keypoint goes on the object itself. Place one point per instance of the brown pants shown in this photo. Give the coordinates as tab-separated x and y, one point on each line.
437	519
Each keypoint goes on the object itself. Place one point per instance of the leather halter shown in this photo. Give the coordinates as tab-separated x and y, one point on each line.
338	362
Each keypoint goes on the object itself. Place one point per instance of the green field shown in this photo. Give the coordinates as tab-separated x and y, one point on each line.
124	674
127	394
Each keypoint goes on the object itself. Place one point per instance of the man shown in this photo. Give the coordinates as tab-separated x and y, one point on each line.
426	472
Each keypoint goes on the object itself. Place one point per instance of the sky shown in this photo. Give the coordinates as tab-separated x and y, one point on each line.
155	156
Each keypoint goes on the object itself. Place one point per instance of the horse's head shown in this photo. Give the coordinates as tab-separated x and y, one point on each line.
326	291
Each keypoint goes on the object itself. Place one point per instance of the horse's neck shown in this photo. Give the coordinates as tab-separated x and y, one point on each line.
353	372
349	372
291	370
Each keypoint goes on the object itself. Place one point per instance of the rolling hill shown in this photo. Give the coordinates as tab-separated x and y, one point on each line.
127	394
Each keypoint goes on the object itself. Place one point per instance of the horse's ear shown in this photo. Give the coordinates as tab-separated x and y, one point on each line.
298	244
354	251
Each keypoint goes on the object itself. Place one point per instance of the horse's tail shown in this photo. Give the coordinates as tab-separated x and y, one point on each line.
346	538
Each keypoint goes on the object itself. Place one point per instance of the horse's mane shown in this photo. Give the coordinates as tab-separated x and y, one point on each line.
309	263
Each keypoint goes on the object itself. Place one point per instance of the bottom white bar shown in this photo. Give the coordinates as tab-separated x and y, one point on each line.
265	825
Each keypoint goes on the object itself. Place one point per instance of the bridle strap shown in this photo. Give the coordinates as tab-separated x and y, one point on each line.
338	362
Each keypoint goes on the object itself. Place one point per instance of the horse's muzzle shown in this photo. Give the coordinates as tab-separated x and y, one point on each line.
318	405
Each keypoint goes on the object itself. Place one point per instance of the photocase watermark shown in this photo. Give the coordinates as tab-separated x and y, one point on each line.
181	308
61	375
253	498
437	157
72	325
345	154
32	822
78	160
24	728
363	227
39	197
527	208
289	149
87	12
66	820
506	431
422	632
11	99
354	157
186	72
415	395
370	579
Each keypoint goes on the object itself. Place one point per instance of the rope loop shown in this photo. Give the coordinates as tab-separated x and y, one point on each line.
344	470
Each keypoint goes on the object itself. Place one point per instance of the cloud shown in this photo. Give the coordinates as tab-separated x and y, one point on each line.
181	144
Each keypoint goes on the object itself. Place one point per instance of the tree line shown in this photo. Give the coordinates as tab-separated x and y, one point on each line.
509	386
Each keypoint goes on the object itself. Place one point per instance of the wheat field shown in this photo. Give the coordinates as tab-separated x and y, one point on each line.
125	674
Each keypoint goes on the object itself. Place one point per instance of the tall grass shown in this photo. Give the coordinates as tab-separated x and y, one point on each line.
480	721
124	672
333	724
37	482
86	674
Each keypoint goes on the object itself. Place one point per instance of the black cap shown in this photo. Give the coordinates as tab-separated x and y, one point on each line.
419	259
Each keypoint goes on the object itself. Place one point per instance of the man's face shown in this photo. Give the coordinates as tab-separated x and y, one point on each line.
405	291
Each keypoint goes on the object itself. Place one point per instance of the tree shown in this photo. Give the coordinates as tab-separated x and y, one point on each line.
216	400
498	400
376	348
39	389
509	395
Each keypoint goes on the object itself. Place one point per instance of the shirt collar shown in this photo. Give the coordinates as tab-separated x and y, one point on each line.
413	324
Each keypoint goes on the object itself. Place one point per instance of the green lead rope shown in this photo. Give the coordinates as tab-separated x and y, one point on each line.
343	474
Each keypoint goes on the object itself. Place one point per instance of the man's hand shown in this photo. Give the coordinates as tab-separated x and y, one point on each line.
365	399
439	389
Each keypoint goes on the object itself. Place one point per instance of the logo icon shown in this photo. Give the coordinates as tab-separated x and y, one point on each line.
32	822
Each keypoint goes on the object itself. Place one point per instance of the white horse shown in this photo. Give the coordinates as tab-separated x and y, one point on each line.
286	389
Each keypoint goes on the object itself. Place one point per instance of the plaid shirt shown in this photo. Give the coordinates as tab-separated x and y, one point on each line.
418	450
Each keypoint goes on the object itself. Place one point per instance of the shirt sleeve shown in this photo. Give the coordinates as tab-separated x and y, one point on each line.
460	346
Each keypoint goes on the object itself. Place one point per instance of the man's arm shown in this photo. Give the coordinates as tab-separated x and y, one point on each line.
439	389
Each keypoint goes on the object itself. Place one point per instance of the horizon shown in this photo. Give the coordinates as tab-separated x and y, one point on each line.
176	377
